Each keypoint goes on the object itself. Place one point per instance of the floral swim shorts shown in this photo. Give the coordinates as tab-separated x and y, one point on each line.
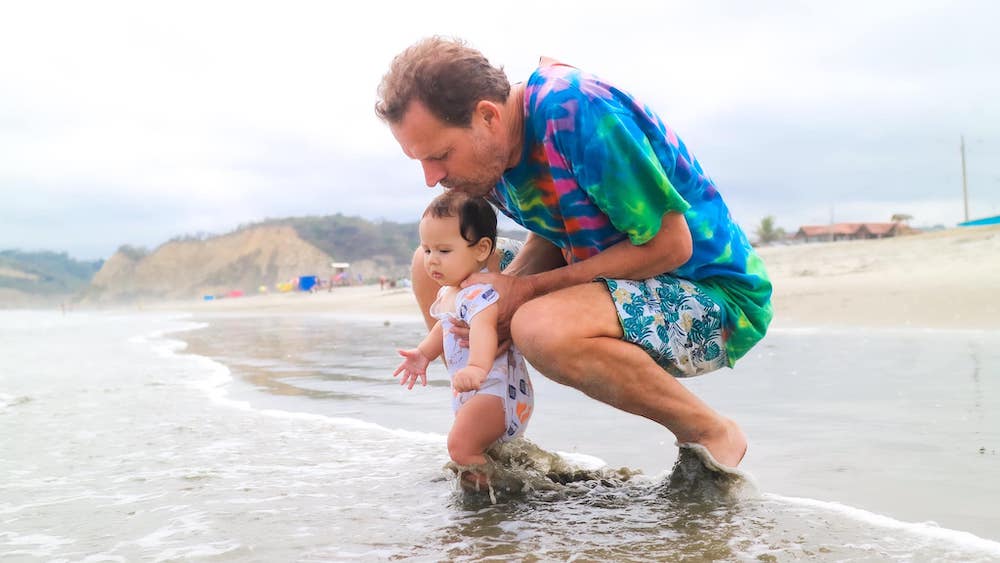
673	320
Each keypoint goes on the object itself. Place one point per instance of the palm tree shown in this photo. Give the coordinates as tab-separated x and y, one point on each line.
767	232
901	218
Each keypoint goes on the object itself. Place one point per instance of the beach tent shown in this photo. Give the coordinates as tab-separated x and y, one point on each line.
306	283
340	276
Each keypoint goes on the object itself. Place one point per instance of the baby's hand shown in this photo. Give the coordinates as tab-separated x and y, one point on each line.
413	367
468	378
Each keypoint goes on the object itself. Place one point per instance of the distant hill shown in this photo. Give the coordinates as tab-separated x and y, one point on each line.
254	255
42	278
184	268
349	239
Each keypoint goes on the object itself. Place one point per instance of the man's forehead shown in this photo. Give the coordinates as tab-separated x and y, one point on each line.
420	134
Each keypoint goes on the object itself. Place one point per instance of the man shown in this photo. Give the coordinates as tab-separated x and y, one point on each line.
633	272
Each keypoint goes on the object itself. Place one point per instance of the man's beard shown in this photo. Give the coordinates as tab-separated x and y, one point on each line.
473	187
493	163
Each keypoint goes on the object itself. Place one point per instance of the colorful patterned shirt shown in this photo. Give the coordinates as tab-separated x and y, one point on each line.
599	167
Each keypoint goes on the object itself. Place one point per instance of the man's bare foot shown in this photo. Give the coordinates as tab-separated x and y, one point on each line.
727	445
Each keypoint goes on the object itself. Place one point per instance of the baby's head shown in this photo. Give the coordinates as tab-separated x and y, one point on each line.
457	235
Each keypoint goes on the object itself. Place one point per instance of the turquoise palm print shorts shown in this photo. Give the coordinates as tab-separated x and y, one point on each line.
507	248
673	320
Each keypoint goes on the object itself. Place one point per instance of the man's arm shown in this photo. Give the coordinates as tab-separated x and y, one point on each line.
668	250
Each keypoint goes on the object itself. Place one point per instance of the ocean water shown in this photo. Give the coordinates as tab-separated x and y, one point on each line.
284	438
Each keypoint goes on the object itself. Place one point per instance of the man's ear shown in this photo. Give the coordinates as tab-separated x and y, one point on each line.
488	111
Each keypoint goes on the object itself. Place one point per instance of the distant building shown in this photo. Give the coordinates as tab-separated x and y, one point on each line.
851	231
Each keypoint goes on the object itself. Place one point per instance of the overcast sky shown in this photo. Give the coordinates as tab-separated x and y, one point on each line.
133	122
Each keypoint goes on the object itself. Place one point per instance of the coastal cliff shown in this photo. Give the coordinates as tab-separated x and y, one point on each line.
191	266
240	261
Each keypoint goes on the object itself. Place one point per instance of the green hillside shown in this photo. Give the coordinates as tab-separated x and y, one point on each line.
45	273
348	239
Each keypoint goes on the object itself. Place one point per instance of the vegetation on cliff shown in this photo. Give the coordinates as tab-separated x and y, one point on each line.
45	273
350	239
253	255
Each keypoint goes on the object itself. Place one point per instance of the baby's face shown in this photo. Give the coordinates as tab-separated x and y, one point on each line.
448	258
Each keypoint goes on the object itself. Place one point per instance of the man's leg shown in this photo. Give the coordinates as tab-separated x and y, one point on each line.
425	289
573	337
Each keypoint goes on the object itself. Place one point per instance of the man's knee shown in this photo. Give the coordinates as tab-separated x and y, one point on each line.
535	330
417	263
424	288
542	337
563	319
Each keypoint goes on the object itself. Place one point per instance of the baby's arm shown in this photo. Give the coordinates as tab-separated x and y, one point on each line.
416	360
482	350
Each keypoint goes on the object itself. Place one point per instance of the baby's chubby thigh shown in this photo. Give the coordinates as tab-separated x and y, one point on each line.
479	422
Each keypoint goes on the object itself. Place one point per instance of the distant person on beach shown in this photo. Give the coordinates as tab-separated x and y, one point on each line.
491	394
633	271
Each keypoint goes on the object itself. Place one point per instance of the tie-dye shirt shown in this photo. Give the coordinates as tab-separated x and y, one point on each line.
599	167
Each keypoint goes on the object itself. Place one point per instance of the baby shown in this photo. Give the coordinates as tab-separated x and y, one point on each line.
491	395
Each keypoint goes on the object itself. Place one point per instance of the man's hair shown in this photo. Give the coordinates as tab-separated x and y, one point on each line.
445	75
476	218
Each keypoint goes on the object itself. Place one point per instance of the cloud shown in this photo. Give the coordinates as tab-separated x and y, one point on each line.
131	123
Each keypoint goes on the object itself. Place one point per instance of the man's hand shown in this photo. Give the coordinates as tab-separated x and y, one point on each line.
514	291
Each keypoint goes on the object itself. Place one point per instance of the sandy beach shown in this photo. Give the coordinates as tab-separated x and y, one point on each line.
941	279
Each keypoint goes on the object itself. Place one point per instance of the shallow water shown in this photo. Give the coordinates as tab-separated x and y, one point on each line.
285	438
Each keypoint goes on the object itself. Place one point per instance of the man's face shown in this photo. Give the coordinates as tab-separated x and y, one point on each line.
468	159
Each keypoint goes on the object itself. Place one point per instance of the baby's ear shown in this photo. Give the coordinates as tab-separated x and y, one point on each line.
484	248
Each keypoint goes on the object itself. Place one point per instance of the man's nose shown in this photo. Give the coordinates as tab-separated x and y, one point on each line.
433	173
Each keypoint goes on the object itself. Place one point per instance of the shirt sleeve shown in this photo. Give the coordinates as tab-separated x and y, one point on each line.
614	161
474	299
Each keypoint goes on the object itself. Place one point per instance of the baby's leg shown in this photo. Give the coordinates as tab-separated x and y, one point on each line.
478	424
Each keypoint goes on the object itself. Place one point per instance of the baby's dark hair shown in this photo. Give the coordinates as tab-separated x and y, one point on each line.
476	218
